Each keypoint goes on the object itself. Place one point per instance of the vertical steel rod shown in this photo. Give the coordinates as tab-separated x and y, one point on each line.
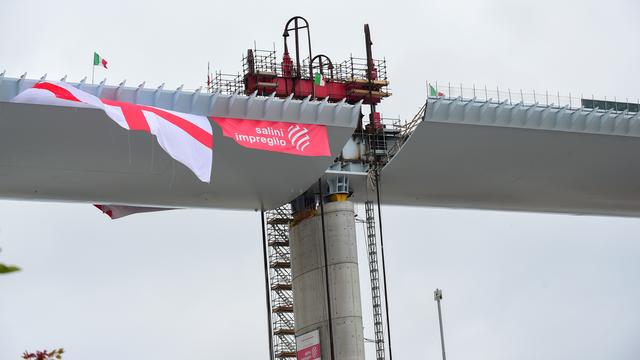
444	355
295	24
370	65
326	270
384	269
266	285
313	89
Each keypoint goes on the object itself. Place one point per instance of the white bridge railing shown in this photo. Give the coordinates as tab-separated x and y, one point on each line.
515	96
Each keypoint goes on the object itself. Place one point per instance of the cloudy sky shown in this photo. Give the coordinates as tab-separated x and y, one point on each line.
189	283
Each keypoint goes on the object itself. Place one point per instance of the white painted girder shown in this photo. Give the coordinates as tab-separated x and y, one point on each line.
465	153
78	154
488	155
533	116
195	102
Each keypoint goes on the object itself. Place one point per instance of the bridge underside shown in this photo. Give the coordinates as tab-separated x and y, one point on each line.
463	154
79	154
498	156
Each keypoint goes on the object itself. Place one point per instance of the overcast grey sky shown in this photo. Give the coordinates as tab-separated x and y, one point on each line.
189	283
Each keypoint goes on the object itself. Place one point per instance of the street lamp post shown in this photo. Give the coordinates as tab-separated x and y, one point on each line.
437	296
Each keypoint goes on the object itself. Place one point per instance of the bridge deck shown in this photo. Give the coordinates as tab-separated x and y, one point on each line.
468	154
79	154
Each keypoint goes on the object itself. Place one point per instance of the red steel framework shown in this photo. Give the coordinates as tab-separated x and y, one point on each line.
347	80
316	77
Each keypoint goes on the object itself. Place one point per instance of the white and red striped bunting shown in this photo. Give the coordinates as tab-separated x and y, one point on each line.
187	138
120	211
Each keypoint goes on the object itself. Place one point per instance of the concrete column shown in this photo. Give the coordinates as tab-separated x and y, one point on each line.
309	292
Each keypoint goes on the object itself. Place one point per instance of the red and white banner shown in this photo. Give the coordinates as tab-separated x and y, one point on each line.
308	345
285	137
120	211
187	138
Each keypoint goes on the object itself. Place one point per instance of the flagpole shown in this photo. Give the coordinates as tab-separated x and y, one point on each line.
93	71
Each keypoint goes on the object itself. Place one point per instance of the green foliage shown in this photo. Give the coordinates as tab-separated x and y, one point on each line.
5	269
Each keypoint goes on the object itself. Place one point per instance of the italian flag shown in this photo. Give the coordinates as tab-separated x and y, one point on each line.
318	79
98	60
434	92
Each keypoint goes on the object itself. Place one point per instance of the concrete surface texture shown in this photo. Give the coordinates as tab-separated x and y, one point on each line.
310	296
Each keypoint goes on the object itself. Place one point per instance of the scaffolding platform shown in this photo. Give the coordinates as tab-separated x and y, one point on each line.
279	221
280	264
286	354
281	287
278	243
285	331
280	281
283	308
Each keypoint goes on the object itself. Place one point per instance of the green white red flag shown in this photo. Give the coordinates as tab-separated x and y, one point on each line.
99	60
318	79
434	92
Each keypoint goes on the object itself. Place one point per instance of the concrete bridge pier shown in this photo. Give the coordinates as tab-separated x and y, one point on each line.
310	305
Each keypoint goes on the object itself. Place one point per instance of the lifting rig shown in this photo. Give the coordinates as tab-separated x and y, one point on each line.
355	80
352	80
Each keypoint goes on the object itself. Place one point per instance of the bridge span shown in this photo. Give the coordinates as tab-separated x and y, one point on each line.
468	153
459	153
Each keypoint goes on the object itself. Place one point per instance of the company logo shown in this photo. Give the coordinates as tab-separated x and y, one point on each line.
284	137
299	137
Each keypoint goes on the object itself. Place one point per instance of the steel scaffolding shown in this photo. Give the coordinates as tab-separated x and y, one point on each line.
372	251
283	325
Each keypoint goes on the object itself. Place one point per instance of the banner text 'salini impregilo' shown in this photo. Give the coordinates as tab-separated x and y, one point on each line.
284	137
185	137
